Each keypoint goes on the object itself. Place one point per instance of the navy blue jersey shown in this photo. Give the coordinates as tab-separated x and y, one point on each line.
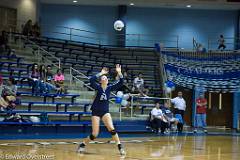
101	101
167	112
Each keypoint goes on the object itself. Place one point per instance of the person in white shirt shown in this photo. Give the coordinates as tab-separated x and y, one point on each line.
157	118
138	81
179	107
138	85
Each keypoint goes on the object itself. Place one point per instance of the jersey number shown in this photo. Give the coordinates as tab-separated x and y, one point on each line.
103	97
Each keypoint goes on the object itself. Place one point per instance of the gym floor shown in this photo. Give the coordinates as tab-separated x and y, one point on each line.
187	147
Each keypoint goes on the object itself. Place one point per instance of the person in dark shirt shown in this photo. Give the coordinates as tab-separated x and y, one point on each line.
49	80
36	30
34	79
4	47
169	115
27	29
221	42
100	107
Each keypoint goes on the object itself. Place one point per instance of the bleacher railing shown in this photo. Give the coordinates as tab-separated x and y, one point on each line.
144	102
80	77
232	43
42	56
133	39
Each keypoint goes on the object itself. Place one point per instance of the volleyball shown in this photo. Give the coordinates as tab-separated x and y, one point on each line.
118	25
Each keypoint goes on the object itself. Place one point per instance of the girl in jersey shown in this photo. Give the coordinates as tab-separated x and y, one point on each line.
100	107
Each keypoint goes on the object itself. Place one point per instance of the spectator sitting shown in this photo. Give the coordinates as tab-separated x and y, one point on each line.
8	95
169	115
42	72
36	30
59	82
200	48
138	85
7	103
49	79
42	84
49	74
27	29
35	79
10	89
125	88
157	119
146	89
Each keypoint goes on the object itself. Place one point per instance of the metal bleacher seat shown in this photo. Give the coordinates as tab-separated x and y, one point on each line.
52	95
56	104
18	59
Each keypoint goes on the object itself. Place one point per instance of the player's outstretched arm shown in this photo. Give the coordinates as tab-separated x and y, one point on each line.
93	79
118	83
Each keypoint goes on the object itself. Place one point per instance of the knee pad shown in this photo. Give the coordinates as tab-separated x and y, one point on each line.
92	137
113	132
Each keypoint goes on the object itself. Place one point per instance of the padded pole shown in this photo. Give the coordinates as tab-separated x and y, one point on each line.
236	109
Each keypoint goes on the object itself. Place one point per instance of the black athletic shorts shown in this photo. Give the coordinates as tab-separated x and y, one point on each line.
99	113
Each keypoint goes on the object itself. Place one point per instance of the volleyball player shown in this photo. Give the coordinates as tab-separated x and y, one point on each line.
100	107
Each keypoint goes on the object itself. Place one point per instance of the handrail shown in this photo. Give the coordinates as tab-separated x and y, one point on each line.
144	98
83	76
139	38
80	73
99	37
234	41
40	48
108	33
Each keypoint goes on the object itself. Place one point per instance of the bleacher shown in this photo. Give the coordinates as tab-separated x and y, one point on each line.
46	103
87	58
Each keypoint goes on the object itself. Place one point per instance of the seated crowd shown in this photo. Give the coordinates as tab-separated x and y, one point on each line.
31	30
43	81
138	87
162	118
8	95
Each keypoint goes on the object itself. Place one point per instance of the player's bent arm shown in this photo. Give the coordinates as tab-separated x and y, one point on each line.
93	82
117	84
